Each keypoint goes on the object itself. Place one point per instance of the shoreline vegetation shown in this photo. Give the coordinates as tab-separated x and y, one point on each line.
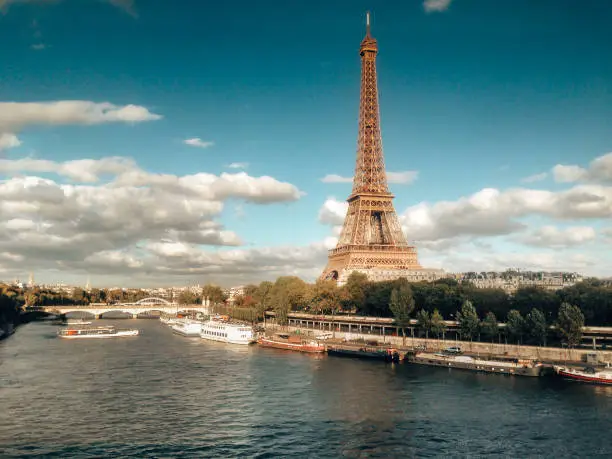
527	314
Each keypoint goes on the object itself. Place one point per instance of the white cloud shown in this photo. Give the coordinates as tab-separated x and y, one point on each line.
238	165
535	178
470	257
599	170
14	116
334	178
568	174
120	222
38	46
403	177
197	142
8	140
333	212
551	236
81	170
607	234
436	5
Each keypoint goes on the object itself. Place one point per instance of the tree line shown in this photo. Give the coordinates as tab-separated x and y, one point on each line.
527	314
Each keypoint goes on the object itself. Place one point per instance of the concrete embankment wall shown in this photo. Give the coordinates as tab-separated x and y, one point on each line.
547	354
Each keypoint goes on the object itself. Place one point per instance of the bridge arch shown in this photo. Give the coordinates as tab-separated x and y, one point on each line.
116	314
153	300
77	314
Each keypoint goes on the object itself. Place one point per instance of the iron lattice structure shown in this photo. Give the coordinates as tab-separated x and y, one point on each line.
371	238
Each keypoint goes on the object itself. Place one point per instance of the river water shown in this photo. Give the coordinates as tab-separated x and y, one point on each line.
162	395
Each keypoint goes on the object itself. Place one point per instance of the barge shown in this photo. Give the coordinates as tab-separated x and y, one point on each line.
513	367
386	355
291	343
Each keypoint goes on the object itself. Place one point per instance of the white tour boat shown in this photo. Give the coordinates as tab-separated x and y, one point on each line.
95	332
227	332
187	327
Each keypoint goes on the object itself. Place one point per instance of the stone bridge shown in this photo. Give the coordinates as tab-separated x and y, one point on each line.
146	305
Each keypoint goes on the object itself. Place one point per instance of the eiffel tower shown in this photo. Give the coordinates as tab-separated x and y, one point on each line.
372	241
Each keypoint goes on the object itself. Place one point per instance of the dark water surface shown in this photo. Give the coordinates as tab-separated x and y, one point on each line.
161	395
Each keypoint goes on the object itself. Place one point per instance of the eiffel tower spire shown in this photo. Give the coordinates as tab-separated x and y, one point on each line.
370	174
372	240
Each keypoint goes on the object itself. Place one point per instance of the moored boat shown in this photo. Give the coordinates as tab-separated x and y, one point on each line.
227	332
516	367
387	354
588	375
96	332
291	343
187	327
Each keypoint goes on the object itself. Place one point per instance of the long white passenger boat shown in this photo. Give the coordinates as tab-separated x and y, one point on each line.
227	332
96	332
187	327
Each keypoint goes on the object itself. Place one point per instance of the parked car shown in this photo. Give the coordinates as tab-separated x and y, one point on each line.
453	350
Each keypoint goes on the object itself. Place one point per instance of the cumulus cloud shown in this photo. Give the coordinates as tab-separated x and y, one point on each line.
489	212
197	142
333	212
469	257
14	116
599	170
238	165
535	178
8	140
81	170
334	178
432	6
113	214
402	178
405	177
551	236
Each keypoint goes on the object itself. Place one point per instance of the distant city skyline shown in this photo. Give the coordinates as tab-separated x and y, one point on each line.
218	146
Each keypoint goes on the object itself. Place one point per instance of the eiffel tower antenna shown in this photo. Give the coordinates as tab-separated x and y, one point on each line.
372	240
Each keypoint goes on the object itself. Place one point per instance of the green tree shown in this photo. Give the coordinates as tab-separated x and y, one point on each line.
214	293
535	325
526	298
515	325
288	293
187	297
570	321
424	322
468	320
438	327
401	305
490	327
325	297
356	287
262	298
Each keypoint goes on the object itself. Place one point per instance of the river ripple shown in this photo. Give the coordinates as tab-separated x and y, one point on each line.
161	395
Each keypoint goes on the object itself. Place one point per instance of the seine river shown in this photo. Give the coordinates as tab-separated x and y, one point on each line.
162	395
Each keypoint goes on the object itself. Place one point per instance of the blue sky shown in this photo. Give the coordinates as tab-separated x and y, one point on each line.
474	95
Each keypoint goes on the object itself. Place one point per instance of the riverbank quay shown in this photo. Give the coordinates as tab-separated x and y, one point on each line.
548	355
8	327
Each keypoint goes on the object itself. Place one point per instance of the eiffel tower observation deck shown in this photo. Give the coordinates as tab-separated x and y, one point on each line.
372	240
